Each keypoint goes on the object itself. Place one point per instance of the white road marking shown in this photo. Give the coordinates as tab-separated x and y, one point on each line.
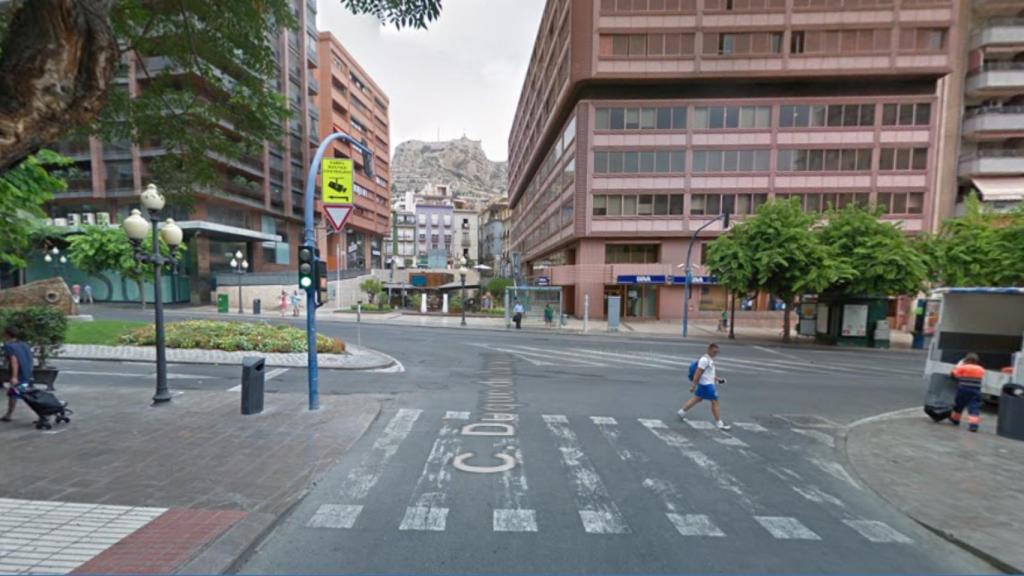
836	470
786	528
609	428
515	520
815	494
700	424
694	525
91	373
723	479
885	416
879	532
665	490
427	508
630	359
724	364
603	420
732	441
450	415
750	426
783	354
548	353
234	388
826	439
335	516
597	510
271	374
520	355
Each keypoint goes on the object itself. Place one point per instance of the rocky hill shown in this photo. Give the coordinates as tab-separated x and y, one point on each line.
460	164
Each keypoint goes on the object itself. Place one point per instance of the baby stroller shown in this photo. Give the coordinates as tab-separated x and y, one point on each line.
45	404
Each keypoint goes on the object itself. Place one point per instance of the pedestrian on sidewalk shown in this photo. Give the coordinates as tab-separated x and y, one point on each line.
19	358
968	374
549	316
87	289
703	387
517	314
296	303
283	301
723	322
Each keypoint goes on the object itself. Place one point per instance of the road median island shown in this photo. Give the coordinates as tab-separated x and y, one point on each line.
962	486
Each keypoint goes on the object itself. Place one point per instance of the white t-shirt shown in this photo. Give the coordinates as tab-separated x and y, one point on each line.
708	366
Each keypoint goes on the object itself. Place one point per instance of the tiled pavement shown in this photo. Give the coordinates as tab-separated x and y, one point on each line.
357	358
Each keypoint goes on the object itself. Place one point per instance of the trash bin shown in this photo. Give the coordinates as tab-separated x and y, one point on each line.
222	303
252	384
1011	412
256	306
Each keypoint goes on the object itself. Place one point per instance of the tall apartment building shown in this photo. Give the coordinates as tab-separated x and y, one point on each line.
492	234
351	102
257	207
466	242
639	120
992	148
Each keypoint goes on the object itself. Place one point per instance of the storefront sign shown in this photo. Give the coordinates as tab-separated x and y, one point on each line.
543	281
662	279
855	320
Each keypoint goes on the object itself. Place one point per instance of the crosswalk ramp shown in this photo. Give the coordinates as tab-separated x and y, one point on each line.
600	475
589	357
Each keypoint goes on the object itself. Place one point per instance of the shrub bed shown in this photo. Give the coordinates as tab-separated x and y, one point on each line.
232	337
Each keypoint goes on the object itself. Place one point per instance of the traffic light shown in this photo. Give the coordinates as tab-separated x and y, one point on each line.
321	283
307	267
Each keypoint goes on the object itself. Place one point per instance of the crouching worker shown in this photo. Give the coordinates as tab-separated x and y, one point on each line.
968	375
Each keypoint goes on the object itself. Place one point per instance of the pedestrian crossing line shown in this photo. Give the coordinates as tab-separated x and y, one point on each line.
549	353
514	520
450	415
878	532
503	350
427	508
723	479
815	494
786	528
694	525
609	428
724	364
360	481
511	515
699	424
836	470
750	426
645	362
817	435
597	510
732	441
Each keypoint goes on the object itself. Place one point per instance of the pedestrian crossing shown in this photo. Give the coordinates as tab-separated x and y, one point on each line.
703	482
584	357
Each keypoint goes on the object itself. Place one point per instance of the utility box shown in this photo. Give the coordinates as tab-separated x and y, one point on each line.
614	304
882	334
1011	412
257	304
222	303
253	375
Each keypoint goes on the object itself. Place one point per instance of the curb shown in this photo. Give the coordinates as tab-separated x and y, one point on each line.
982	555
384	362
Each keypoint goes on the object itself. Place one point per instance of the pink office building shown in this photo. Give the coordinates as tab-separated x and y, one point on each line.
641	119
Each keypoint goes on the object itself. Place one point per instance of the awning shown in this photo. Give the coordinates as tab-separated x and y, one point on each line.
455	285
1009	189
225	232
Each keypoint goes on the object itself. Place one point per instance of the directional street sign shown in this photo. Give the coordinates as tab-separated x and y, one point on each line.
337	181
337	214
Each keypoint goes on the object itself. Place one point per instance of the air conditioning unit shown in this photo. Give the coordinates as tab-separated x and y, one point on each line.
60	222
103	218
89	218
75	219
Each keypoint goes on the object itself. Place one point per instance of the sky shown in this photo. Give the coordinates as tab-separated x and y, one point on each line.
460	77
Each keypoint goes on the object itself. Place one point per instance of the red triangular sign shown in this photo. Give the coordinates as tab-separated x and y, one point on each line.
337	214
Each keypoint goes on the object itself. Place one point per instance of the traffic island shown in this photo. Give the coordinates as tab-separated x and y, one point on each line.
354	358
963	486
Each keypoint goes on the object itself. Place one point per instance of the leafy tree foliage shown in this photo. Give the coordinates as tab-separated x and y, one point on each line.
23	190
496	286
372	287
981	248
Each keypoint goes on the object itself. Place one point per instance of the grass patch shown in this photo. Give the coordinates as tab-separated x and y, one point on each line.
231	337
104	332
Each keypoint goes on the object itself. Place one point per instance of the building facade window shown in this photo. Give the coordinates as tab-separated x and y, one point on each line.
715	204
823	202
826	115
729	117
900	203
631	253
829	160
639	162
902	159
743	43
907	114
637	205
731	161
641	118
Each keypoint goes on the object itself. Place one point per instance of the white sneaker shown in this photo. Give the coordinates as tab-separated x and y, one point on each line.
723	426
682	415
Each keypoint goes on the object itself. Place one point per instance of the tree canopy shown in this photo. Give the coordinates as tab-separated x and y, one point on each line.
23	190
981	248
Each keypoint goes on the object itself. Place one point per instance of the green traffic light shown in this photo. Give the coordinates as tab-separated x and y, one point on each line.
306	282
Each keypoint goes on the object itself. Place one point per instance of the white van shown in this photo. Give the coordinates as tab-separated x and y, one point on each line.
987	321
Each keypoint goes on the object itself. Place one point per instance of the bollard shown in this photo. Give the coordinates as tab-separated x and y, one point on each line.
253	375
256	306
586	311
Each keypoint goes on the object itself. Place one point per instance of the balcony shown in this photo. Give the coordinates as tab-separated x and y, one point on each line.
992	163
996	7
999	32
996	78
312	58
994	123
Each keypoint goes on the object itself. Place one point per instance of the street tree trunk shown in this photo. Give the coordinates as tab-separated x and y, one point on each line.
58	59
732	317
785	320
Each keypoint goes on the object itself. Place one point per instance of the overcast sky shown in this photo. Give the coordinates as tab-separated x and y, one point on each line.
461	76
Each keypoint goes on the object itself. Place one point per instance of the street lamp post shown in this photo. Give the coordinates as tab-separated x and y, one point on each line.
54	254
724	217
462	274
239	265
136	227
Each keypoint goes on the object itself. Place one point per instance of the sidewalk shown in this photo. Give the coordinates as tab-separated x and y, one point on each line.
355	358
965	487
189	486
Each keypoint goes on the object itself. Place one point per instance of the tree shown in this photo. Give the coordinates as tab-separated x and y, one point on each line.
981	248
99	249
207	68
372	287
23	190
881	259
496	286
777	252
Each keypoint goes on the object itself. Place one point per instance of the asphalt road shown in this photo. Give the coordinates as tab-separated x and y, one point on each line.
602	475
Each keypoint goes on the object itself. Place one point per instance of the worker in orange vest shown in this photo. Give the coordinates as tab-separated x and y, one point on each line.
968	374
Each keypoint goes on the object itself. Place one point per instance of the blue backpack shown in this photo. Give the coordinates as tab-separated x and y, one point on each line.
693	370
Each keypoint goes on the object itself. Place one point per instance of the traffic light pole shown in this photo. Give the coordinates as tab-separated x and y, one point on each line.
724	217
309	240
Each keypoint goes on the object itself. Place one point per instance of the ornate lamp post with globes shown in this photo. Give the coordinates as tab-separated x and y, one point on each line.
136	227
239	265
462	274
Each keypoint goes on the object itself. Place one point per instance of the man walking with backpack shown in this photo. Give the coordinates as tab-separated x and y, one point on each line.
703	382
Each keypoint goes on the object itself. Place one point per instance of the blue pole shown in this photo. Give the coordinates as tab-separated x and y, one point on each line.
310	241
689	275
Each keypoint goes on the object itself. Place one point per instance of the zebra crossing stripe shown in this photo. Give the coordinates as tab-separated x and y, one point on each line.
427	508
609	428
700	424
694	525
786	528
826	439
815	494
552	355
878	532
515	520
750	426
732	441
597	510
510	515
335	516
449	415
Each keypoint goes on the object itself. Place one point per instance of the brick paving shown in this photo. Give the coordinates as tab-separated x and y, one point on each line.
356	358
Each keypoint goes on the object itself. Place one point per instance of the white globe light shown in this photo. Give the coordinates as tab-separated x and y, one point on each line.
234	263
47	258
135	226
245	264
63	260
152	199
171	233
238	255
55	251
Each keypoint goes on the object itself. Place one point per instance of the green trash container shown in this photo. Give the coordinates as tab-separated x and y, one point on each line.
222	303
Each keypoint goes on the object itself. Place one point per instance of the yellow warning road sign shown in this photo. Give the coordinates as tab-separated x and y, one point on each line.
337	181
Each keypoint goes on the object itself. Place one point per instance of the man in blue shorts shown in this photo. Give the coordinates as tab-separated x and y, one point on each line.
703	387
19	358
